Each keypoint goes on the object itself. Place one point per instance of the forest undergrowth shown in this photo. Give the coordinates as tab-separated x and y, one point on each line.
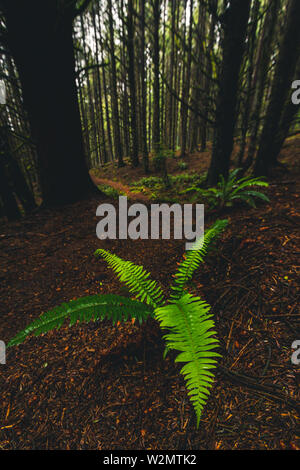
103	387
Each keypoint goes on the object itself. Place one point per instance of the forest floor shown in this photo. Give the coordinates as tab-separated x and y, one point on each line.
102	387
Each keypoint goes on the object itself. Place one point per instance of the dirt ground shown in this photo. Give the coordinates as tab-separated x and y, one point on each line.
102	387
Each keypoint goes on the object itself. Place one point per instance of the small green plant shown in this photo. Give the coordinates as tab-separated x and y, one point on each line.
150	182
182	165
110	192
230	190
186	318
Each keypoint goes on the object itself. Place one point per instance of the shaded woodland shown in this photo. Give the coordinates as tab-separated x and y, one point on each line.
151	78
165	101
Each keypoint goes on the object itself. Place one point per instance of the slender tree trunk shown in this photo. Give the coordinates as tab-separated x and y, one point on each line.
207	80
171	76
199	66
115	107
132	87
143	91
246	105
260	77
156	87
186	86
288	116
284	73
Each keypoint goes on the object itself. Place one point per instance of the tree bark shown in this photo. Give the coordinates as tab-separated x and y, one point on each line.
115	107
156	101
132	87
235	22
40	40
284	73
260	77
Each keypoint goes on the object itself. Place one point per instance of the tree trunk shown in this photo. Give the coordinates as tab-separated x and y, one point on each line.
186	86
235	22
156	101
115	107
288	116
143	91
260	77
284	73
40	40
134	157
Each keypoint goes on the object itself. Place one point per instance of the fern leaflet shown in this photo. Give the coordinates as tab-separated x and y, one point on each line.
194	257
190	332
94	307
136	278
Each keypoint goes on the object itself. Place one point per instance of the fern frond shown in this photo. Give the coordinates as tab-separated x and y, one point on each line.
246	182
253	193
191	333
194	257
136	278
94	307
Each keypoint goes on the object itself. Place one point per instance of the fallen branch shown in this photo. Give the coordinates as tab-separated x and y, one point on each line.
264	390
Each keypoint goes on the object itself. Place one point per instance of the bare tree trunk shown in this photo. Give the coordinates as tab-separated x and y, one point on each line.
132	86
118	150
186	86
260	77
44	56
156	90
284	73
235	22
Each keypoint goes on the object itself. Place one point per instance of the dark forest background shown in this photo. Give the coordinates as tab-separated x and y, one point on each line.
91	82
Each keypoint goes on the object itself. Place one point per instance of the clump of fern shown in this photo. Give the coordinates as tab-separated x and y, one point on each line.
188	325
230	190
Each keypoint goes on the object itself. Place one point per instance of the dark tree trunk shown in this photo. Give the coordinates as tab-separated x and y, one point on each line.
186	86
143	91
284	73
132	86
246	104
260	77
235	22
288	116
10	207
40	40
115	107
156	101
171	76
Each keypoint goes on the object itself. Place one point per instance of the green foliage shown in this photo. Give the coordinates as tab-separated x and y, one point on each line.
184	178
176	181
194	257
182	165
232	189
135	277
149	182
190	331
110	192
190	328
160	158
85	309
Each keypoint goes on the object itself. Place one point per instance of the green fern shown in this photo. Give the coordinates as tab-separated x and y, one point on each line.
230	190
194	257
190	332
186	318
92	307
135	277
